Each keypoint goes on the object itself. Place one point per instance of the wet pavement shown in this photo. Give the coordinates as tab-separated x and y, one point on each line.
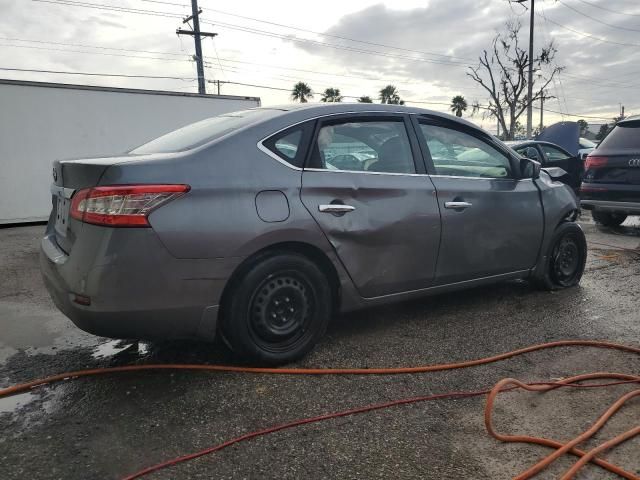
108	427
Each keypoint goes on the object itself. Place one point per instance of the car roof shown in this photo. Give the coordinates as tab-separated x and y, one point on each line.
312	110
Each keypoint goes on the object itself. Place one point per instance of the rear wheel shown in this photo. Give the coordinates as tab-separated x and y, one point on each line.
278	309
608	219
565	259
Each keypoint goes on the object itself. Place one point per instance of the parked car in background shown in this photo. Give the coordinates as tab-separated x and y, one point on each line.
260	225
552	155
611	183
586	147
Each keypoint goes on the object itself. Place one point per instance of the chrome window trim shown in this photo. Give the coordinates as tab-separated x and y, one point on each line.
396	174
482	178
274	156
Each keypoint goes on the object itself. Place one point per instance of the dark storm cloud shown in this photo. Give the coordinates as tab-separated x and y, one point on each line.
464	28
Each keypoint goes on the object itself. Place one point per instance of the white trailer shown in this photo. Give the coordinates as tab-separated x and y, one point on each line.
43	122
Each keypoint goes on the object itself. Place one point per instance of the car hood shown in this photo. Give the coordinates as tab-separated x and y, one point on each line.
565	134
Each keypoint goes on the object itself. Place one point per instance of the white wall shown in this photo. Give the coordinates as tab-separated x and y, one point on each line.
40	123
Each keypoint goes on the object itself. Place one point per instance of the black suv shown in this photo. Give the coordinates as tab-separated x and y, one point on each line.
611	182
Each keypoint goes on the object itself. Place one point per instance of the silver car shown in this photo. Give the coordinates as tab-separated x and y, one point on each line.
260	225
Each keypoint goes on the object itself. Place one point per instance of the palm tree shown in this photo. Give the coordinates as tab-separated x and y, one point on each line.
458	105
365	99
389	94
301	92
331	95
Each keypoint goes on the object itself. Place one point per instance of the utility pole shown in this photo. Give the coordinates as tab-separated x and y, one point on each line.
530	75
195	12
530	81
541	109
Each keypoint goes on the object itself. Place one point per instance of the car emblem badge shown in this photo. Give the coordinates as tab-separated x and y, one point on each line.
634	162
55	175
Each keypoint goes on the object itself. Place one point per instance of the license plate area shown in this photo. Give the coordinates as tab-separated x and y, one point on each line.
62	213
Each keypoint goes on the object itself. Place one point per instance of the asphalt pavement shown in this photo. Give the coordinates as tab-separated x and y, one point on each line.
108	427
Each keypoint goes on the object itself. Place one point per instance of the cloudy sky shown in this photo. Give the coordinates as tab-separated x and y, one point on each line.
423	47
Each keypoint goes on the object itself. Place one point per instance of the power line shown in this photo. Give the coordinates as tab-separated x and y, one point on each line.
332	45
270	87
598	20
34	47
587	35
93	74
365	42
253	30
291	27
115	8
595	5
82	45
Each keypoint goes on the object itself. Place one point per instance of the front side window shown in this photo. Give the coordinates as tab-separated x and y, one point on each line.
554	154
455	153
364	146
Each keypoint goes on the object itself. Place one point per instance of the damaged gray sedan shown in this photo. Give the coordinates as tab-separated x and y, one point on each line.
260	225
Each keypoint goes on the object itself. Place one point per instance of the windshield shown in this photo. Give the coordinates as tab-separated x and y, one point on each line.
199	133
586	143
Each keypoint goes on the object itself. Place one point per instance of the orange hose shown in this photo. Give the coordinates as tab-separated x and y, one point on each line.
568	447
317	371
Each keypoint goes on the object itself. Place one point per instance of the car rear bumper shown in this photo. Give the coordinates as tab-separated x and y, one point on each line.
611	206
137	290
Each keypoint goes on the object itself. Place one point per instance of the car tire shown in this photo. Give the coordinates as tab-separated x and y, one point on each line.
277	310
608	219
565	259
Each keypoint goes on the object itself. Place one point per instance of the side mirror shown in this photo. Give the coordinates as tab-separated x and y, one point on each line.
530	168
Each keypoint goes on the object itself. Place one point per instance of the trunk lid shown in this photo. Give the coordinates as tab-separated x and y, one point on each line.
69	176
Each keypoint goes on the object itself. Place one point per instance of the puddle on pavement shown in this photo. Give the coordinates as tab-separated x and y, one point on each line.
109	349
13	403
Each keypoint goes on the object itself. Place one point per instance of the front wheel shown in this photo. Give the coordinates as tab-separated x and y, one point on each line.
278	309
566	258
608	219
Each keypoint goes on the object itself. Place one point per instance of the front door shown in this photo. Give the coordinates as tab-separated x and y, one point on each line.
492	221
378	210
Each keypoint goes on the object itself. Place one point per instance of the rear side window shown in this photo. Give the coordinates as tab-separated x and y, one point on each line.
199	133
623	136
290	144
458	154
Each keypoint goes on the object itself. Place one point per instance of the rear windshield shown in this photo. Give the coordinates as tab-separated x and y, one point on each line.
626	135
199	133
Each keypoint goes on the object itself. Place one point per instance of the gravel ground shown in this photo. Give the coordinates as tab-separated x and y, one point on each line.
108	427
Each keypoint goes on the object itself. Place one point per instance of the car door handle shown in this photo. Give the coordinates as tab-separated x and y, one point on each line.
336	208
457	205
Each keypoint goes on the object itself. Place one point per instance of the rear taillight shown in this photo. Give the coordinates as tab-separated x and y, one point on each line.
595	162
122	205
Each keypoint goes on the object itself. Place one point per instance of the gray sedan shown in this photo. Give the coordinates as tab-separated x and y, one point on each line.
260	225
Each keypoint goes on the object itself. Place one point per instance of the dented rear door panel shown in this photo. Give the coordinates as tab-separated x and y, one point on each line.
389	242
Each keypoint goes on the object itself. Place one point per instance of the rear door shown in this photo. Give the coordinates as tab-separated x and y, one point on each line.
365	185
492	221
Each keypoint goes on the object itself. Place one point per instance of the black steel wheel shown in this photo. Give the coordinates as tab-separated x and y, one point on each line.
565	259
278	309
